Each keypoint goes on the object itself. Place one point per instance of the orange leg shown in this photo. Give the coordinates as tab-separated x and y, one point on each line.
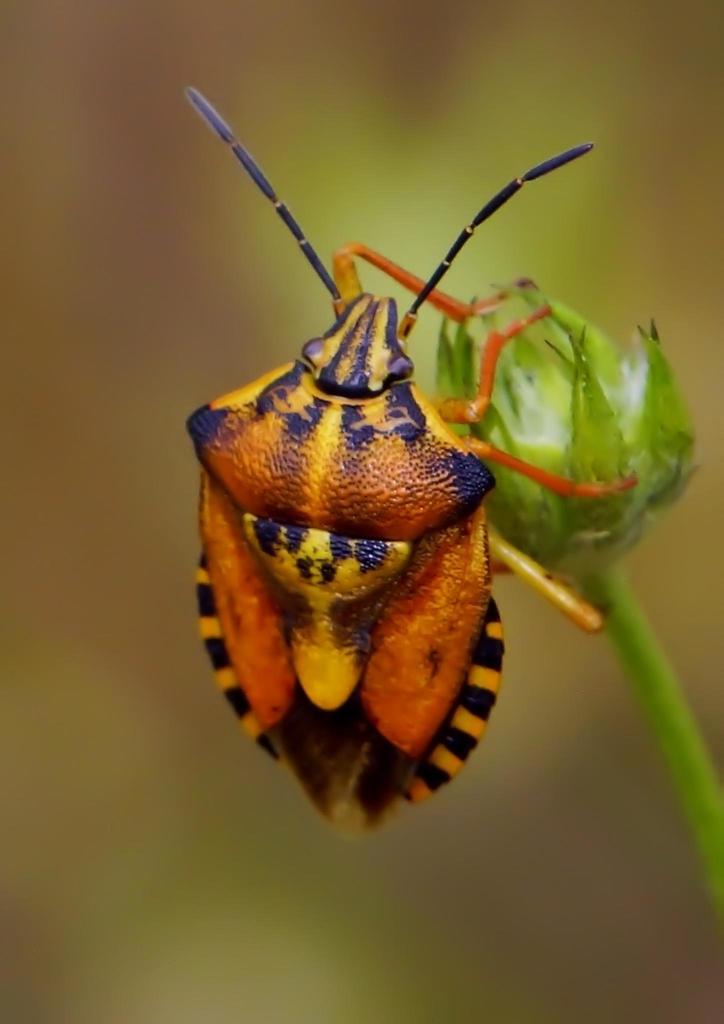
460	410
556	591
348	282
558	484
463	410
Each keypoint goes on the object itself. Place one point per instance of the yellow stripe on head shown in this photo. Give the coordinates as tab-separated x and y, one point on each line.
361	353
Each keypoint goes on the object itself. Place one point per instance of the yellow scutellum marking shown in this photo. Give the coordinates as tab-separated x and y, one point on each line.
202	576
495	630
315	554
308	567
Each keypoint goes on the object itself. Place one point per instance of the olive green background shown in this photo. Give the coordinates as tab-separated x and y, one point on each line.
155	866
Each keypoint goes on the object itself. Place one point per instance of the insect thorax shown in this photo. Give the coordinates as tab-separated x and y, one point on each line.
383	467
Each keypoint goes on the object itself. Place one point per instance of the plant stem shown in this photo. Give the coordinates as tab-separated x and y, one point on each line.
664	705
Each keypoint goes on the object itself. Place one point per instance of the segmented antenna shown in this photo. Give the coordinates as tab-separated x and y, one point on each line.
487	211
222	129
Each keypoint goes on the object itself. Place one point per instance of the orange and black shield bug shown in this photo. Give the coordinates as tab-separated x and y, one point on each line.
344	587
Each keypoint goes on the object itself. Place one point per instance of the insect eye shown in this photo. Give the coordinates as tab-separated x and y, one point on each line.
312	350
399	367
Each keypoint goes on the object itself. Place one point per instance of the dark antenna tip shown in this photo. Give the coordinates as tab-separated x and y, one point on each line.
492	206
216	122
211	116
555	162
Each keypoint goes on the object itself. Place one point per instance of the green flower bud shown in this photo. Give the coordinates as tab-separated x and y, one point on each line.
572	402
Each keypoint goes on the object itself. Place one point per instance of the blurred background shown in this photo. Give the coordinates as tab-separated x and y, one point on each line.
155	866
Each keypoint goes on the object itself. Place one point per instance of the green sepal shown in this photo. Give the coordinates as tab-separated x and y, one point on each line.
570	401
593	421
464	362
668	425
445	381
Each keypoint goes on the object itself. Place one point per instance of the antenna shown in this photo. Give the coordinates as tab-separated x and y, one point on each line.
487	211
222	129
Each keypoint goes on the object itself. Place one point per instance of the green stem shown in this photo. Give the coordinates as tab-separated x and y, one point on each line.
664	705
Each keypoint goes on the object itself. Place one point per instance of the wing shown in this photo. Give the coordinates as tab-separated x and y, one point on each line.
422	644
212	635
250	650
351	773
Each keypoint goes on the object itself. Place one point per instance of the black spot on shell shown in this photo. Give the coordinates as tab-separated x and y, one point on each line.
341	547
268	535
204	425
401	405
304	565
355	431
472	479
297	425
370	554
295	536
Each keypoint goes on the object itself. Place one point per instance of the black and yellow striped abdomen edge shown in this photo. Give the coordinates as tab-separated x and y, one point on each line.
224	674
469	718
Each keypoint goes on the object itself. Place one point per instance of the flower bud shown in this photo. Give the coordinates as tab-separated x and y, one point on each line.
569	400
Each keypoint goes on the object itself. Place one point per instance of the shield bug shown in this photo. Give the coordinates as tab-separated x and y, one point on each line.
344	587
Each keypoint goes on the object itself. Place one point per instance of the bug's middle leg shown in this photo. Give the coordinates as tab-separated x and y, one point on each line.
348	282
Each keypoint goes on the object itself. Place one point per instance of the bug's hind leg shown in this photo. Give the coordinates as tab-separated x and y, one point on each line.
508	558
211	634
466	724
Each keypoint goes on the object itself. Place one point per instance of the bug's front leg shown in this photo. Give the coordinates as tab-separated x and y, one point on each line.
469	411
348	282
464	410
